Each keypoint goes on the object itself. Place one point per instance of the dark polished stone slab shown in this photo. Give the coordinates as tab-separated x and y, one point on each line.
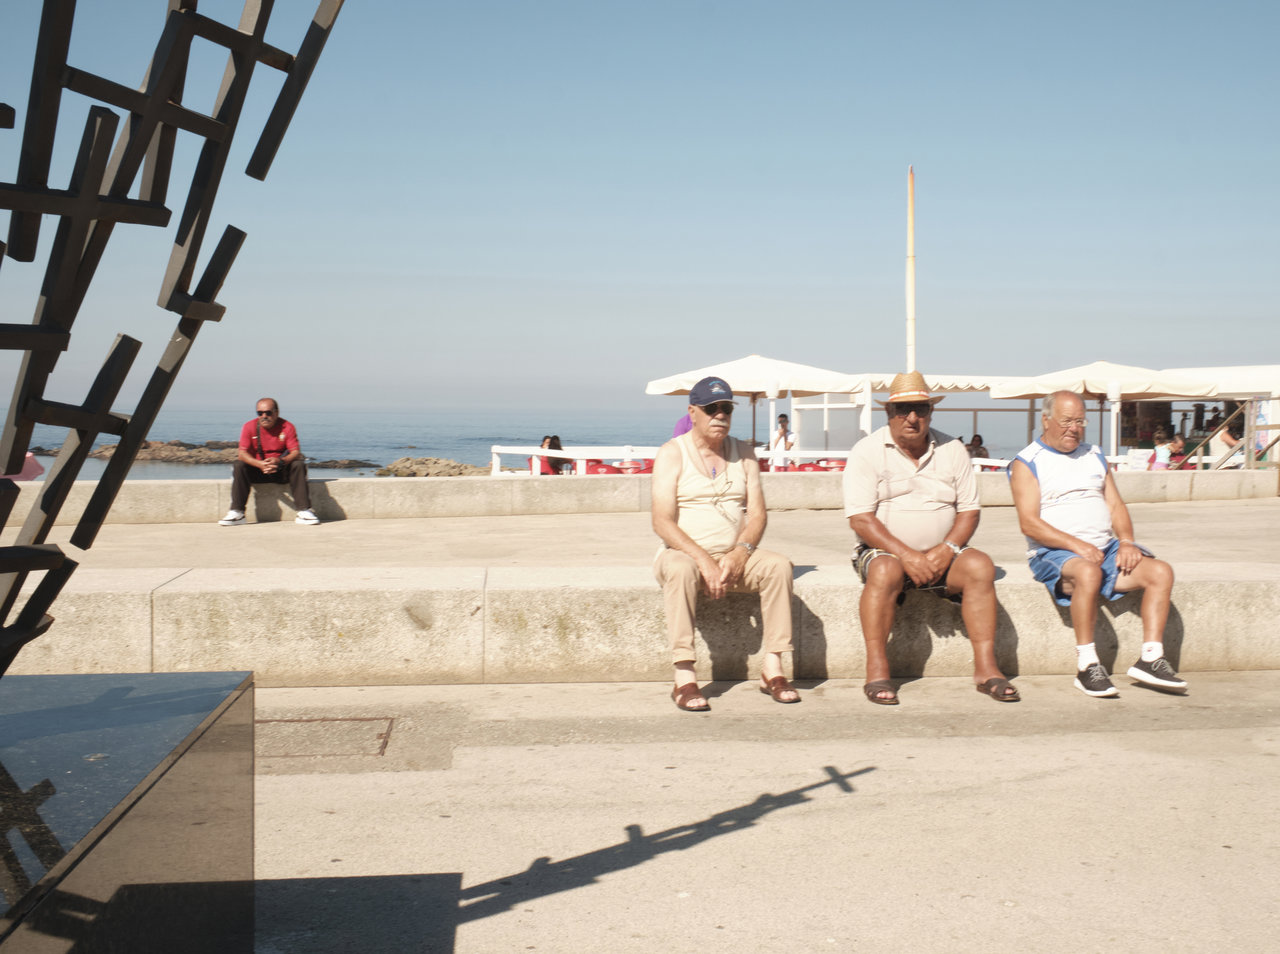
126	812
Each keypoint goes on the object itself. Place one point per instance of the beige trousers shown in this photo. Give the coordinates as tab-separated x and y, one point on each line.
766	573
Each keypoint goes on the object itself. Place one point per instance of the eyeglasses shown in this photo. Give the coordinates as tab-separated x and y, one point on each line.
921	409
1071	422
720	407
266	413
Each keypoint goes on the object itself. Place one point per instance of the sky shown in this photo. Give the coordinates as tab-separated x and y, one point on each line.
499	203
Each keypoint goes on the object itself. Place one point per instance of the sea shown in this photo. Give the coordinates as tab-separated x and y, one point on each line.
465	435
382	436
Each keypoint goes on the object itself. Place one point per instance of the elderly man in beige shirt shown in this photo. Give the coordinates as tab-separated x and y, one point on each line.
911	497
708	509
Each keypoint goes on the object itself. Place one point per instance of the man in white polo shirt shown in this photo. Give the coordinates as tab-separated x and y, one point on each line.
1080	543
911	497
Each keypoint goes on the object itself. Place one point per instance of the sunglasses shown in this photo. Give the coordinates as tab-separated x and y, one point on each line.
720	407
921	408
266	413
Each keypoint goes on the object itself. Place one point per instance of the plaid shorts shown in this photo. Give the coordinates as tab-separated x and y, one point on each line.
865	553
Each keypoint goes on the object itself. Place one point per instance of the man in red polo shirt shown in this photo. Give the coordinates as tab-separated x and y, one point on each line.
269	453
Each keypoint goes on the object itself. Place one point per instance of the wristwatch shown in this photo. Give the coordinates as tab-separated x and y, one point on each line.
749	547
954	549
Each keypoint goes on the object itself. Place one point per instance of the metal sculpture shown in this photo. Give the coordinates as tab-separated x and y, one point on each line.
112	162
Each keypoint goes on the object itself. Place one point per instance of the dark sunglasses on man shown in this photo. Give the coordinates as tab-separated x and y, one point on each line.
720	407
922	409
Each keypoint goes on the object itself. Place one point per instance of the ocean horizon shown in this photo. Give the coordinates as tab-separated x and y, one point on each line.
464	435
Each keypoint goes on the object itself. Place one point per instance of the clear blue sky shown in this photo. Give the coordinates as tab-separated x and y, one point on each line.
499	201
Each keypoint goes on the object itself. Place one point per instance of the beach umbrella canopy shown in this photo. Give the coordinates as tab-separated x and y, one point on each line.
1106	381
755	376
1102	379
1238	382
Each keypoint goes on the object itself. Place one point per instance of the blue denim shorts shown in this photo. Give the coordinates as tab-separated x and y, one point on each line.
1046	566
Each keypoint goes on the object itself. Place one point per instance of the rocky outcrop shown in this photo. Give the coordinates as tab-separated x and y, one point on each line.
210	452
431	467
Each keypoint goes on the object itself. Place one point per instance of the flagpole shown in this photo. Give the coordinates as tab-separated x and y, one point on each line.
911	268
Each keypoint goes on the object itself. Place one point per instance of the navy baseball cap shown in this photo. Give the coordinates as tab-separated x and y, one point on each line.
709	391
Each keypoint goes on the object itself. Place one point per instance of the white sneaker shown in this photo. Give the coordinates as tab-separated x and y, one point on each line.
232	519
307	517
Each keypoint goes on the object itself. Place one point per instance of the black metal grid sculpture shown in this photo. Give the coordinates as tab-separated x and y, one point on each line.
121	177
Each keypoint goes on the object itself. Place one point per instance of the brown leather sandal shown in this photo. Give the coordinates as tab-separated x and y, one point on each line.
873	689
775	687
684	697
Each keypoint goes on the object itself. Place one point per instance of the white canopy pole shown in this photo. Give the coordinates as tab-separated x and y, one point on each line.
911	268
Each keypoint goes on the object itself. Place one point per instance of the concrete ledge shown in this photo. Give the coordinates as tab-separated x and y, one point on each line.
366	626
366	498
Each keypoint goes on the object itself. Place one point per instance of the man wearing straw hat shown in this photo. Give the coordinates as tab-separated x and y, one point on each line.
911	497
708	509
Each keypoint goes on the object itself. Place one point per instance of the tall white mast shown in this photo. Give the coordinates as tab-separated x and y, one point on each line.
911	268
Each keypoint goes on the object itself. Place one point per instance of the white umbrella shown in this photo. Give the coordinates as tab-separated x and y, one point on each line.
1106	381
755	377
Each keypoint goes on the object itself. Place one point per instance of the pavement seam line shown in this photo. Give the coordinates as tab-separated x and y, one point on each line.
151	609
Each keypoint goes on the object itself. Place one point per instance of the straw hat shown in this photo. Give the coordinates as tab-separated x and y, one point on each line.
909	388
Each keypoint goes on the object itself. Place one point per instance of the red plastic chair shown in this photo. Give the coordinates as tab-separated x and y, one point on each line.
810	467
598	468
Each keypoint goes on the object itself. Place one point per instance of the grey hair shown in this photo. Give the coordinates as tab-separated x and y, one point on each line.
1051	402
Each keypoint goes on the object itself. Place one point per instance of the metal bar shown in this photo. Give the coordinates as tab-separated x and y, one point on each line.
43	103
264	153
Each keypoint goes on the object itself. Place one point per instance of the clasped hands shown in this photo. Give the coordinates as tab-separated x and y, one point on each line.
719	575
927	567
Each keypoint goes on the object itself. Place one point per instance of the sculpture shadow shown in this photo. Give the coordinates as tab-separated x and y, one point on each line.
422	912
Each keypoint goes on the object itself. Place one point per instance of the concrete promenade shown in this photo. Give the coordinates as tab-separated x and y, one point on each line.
483	819
588	814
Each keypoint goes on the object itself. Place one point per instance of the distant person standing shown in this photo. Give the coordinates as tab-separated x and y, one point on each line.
976	448
783	440
269	453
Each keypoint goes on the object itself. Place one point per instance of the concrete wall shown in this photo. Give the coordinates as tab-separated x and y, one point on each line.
372	498
359	626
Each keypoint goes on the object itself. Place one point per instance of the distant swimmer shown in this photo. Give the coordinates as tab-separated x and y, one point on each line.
1081	544
269	453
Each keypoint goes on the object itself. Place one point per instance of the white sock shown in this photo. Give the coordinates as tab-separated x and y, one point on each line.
1152	651
1086	656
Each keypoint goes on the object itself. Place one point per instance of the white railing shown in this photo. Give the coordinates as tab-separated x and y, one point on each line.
626	458
632	459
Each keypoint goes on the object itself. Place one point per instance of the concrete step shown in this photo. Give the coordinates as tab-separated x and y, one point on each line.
352	626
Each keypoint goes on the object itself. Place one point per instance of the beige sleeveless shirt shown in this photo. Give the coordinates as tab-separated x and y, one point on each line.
711	508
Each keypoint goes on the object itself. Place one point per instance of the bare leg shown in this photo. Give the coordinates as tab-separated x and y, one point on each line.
875	610
1155	579
974	575
1082	581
